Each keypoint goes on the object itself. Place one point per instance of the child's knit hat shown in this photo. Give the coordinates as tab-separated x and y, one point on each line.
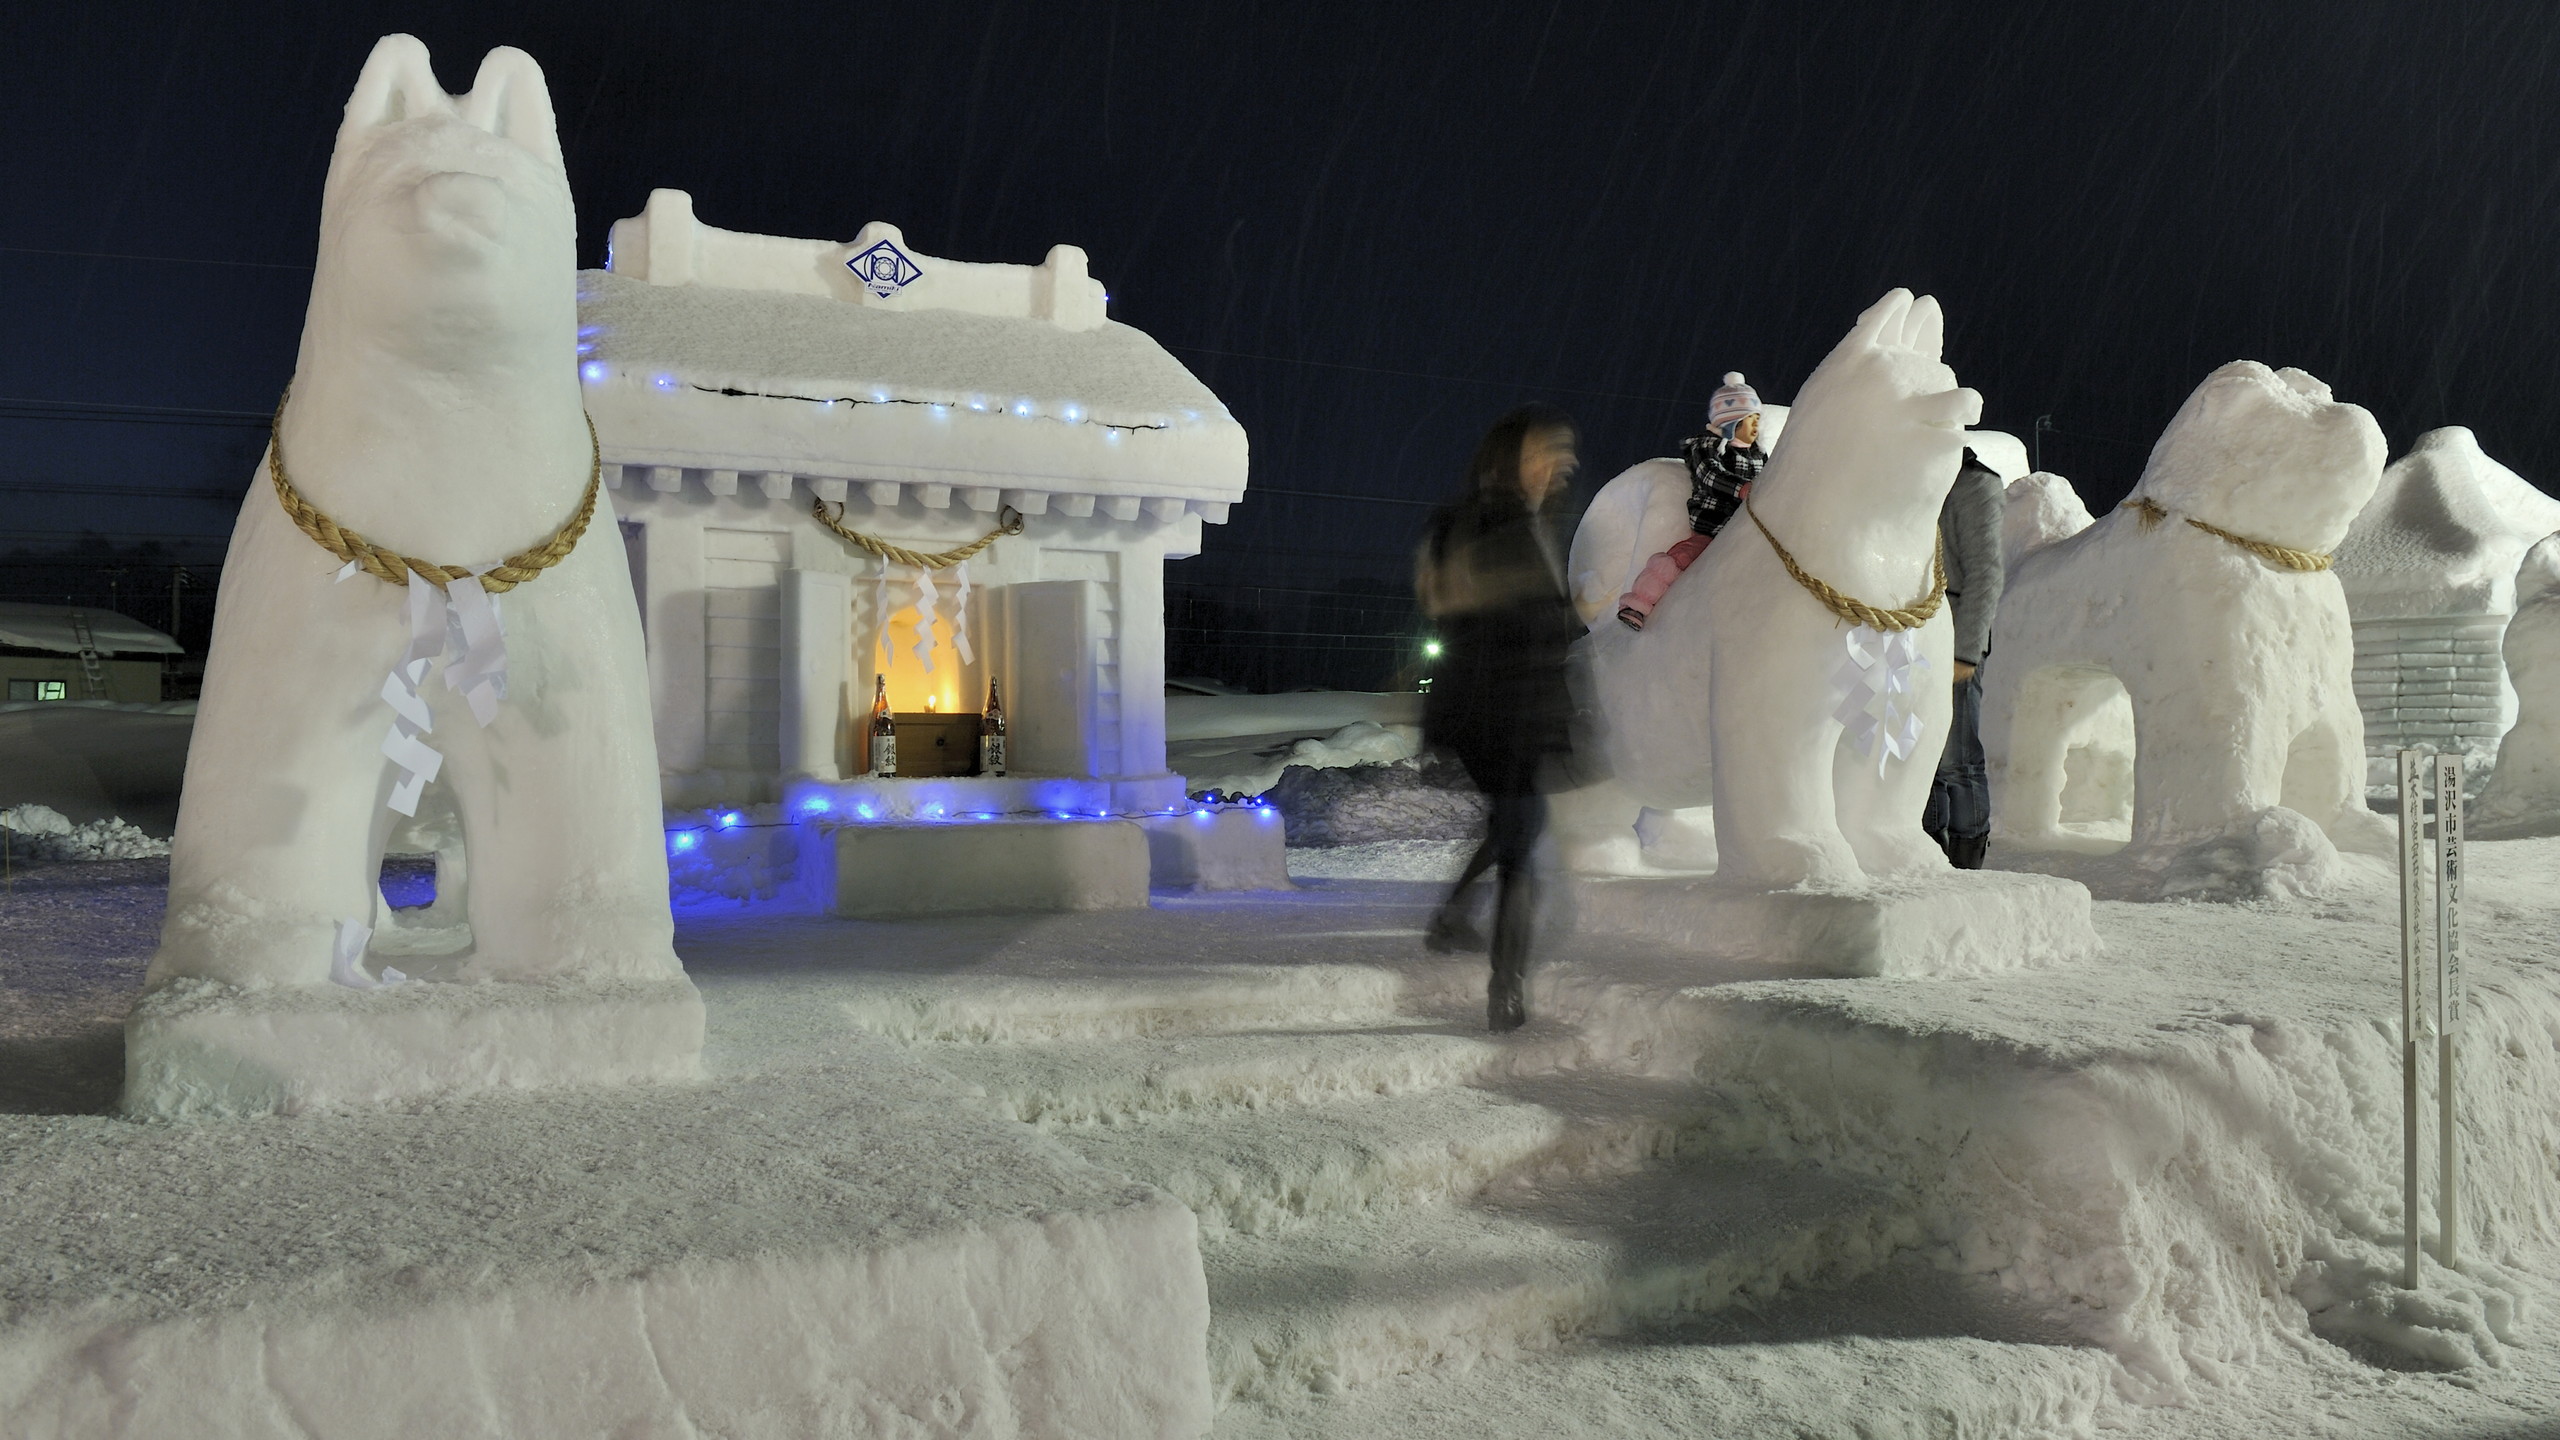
1731	402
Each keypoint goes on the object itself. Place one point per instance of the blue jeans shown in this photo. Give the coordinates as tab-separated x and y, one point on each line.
1960	795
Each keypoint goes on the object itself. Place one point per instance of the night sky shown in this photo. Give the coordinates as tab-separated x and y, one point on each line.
1371	228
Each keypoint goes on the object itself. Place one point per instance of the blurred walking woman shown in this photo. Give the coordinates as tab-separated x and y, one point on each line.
1491	577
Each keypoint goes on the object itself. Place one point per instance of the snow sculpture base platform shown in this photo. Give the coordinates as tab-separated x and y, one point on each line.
1240	849
197	1048
883	871
843	1247
1956	923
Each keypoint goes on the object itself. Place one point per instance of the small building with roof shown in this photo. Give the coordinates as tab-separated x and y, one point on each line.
2429	567
71	652
787	424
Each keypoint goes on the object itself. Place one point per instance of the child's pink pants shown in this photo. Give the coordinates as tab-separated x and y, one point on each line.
1654	581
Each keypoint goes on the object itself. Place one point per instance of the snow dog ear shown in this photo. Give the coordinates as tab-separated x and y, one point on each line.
510	100
398	83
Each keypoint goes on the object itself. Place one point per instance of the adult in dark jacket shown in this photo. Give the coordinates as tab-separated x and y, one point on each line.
1491	576
1959	812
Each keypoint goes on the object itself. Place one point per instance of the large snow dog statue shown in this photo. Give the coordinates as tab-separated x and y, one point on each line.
2208	599
433	429
1736	691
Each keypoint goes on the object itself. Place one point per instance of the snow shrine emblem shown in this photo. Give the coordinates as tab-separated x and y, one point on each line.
884	269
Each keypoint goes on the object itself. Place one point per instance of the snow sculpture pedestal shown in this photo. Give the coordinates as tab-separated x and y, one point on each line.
1955	922
898	871
1238	849
198	1048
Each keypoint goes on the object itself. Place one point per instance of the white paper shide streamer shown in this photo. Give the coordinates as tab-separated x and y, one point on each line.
1876	681
926	595
960	616
462	621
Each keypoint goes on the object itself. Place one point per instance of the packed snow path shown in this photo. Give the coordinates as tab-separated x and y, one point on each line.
1671	1206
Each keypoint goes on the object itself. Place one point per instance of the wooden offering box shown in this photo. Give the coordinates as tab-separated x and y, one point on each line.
932	743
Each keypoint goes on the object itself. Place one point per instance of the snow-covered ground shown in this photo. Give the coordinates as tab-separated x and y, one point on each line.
2155	1194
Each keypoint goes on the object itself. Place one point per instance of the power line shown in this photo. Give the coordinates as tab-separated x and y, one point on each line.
23	407
157	492
1426	375
152	259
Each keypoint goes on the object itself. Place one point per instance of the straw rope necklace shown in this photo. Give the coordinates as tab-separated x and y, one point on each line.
1850	607
393	568
2152	513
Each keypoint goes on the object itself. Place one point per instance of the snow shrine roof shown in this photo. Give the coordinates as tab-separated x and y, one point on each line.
706	350
51	627
2443	534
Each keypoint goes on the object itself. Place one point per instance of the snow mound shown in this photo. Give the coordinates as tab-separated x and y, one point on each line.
1427	798
2443	533
42	833
2039	509
2523	794
1207	769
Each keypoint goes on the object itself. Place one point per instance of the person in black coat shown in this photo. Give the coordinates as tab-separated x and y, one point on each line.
1491	575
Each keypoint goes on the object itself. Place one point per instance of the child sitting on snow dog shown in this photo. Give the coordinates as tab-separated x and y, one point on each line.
1722	464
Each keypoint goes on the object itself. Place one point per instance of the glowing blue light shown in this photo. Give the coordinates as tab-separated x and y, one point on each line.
939	412
977	402
1266	812
1190	414
1072	411
681	840
732	820
593	372
1062	815
879	395
933	812
663	382
1111	436
1202	815
586	330
816	805
1022	407
862	810
586	347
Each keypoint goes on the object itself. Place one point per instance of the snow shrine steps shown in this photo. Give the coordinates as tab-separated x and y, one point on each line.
1382	1187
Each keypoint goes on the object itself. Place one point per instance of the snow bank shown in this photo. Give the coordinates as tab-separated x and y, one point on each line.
2192	1149
39	833
1210	767
844	1247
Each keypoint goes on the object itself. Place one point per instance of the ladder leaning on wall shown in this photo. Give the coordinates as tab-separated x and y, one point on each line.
93	675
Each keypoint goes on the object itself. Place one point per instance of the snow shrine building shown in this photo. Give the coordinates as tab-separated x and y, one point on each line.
2429	569
738	382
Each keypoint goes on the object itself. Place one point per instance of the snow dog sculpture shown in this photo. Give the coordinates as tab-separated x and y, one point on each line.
2207	598
2523	794
1736	692
435	412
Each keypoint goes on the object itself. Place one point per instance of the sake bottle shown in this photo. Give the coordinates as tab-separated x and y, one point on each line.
884	730
991	733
